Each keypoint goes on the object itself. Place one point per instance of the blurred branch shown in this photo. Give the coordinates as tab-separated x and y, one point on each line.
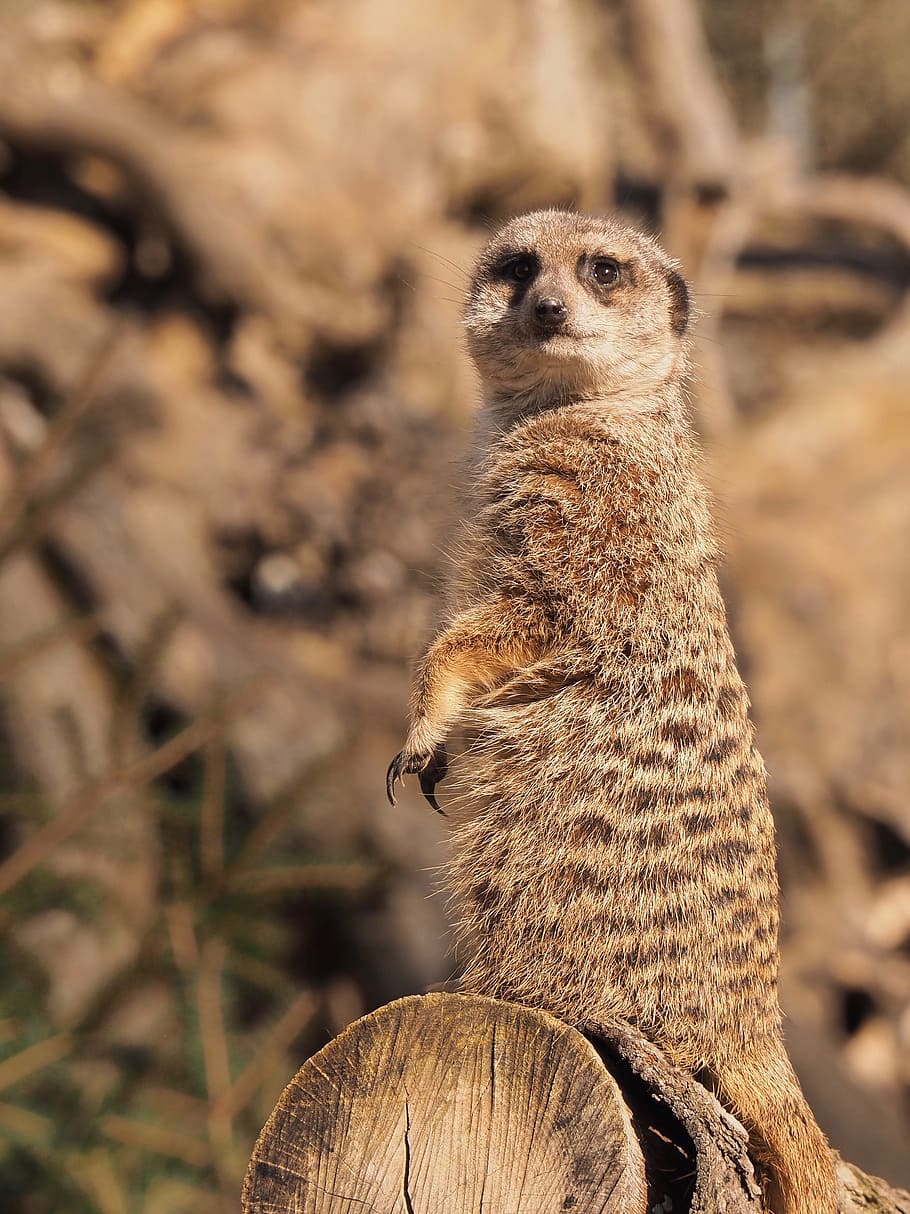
17	1122
282	1035
27	475
96	1174
291	799
30	520
79	809
212	809
157	1139
166	165
680	88
864	201
215	1052
282	878
35	1057
702	165
182	935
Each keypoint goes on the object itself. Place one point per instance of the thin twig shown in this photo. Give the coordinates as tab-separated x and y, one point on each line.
215	1052
348	875
29	474
80	808
34	1058
173	1143
249	1081
212	809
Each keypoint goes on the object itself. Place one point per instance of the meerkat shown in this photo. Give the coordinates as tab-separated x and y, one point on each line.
613	850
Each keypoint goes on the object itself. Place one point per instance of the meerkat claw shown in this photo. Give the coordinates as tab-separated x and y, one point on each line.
432	767
393	775
434	773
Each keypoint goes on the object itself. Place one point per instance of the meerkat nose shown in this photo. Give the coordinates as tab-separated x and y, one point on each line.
551	312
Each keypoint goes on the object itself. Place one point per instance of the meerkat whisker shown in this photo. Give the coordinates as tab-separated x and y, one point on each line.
445	260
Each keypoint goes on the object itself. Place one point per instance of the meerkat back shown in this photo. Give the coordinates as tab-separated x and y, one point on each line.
613	848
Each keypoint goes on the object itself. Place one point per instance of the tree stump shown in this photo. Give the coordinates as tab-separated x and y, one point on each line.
443	1102
467	1104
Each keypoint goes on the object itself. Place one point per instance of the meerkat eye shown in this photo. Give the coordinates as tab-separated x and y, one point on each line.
520	269
605	271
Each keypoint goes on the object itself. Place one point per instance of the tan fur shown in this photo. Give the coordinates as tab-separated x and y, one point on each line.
613	849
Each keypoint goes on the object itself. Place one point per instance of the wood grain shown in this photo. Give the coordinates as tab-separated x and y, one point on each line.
444	1102
464	1103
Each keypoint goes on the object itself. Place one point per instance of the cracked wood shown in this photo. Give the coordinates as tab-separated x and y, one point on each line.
446	1102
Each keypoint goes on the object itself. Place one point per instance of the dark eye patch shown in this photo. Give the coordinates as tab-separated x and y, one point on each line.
679	301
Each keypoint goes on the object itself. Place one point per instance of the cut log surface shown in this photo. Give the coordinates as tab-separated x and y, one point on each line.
465	1104
445	1102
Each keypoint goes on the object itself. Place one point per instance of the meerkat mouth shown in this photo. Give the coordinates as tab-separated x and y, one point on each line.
557	345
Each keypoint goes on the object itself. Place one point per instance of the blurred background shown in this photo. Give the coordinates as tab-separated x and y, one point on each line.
234	239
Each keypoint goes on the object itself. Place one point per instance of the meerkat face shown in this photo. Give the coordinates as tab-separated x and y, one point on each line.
565	306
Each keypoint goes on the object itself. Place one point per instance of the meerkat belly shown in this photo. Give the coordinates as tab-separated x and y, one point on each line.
627	858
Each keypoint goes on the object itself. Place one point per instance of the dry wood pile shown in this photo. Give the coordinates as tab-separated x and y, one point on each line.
233	240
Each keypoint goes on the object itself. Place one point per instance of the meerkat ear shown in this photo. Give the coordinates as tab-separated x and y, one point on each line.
679	301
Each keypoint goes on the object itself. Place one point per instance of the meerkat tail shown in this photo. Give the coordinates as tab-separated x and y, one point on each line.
799	1165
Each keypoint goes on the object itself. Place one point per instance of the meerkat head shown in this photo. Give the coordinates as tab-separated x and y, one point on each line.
565	307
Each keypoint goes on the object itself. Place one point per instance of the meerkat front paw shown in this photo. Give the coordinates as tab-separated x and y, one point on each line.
431	765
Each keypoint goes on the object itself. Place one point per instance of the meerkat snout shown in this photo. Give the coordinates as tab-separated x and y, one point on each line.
551	313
